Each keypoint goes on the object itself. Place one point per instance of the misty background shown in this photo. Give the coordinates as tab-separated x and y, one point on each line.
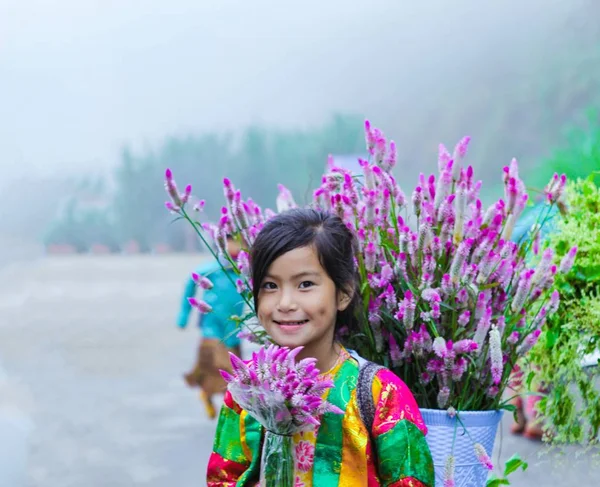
98	97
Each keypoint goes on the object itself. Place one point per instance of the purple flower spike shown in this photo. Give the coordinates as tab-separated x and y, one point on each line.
200	305
282	393
171	189
568	260
483	457
202	281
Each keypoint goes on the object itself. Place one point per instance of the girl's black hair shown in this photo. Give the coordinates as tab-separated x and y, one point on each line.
334	243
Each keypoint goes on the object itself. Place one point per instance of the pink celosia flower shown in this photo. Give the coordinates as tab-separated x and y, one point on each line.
483	326
465	346
492	391
554	302
554	190
171	189
395	353
568	260
171	207
543	267
513	338
200	205
200	305
389	296
483	457
380	146
439	347
285	200
443	396
390	160
461	207
529	342
240	286
431	187
243	263
481	306
371	204
501	324
284	395
185	196
459	154
370	256
221	239
444	157
496	355
248	335
459	259
239	212
447	287
417	200
202	281
369	137
444	184
522	291
449	472
228	191
459	368
410	307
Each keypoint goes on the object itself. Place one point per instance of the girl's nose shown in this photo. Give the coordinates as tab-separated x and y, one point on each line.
286	301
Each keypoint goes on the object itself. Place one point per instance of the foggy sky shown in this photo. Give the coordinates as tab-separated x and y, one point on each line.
80	78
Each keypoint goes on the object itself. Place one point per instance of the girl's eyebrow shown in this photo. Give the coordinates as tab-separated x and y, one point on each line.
297	276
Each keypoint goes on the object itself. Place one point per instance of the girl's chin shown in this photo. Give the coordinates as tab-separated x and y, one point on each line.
290	340
287	341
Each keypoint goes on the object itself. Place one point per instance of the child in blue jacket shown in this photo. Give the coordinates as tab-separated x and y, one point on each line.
218	330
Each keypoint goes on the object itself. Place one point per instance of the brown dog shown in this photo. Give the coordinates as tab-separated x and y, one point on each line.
212	356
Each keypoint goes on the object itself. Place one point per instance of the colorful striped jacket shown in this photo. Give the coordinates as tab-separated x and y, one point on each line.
341	452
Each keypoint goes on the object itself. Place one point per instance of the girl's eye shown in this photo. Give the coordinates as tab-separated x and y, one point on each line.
306	284
269	285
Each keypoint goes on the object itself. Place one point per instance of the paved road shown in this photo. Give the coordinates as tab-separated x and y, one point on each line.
92	355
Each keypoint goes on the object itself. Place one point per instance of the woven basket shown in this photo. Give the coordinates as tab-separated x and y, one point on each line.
482	427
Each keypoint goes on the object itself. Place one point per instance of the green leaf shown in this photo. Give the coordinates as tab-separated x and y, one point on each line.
562	247
551	338
513	464
529	379
566	287
494	481
489	286
591	273
512	408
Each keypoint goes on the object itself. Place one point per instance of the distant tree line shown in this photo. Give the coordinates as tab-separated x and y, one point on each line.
130	207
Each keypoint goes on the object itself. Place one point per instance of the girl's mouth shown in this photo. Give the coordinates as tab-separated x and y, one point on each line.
291	323
291	326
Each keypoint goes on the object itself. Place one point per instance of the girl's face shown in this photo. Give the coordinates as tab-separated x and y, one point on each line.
298	302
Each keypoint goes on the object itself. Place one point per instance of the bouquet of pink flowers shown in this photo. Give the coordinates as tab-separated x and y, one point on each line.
451	303
283	395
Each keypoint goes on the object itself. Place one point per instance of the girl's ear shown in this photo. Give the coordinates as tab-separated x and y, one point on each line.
344	298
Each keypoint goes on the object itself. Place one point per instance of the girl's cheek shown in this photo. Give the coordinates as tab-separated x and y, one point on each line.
265	304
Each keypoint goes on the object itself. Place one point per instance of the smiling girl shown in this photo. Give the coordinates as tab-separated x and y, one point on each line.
305	289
